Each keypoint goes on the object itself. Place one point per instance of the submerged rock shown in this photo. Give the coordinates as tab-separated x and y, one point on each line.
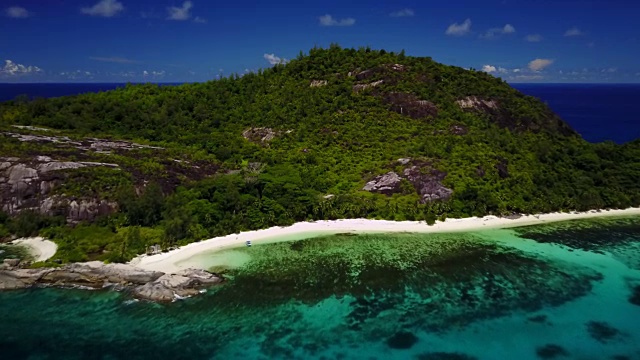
402	340
551	351
144	284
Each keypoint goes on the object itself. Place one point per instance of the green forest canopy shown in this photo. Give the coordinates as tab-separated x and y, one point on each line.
329	140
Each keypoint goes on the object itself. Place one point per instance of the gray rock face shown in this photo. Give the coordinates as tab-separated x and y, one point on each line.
428	183
318	83
150	285
27	184
387	184
88	144
476	103
425	179
260	135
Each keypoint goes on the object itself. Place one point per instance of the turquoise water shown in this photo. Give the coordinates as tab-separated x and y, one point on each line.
560	291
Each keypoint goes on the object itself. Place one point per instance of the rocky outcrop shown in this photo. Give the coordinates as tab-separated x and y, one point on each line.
28	185
260	136
318	83
476	103
86	144
359	87
410	105
387	184
458	130
426	180
500	115
144	284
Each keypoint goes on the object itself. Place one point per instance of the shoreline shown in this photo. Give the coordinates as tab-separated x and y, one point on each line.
183	257
40	248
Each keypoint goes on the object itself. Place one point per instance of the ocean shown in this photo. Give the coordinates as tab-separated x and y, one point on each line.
568	290
599	112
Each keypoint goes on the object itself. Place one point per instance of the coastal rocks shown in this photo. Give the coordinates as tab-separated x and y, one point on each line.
10	263
260	136
387	184
144	284
426	180
171	286
26	185
410	105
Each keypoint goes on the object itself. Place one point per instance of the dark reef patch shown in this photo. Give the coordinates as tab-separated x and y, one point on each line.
635	296
538	319
551	351
444	356
602	332
402	340
593	235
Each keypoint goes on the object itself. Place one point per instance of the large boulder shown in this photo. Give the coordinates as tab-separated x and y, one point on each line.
428	183
426	180
387	184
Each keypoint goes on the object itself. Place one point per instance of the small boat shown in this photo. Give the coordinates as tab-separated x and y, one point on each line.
248	242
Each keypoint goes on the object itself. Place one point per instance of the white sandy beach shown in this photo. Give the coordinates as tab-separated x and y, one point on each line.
180	258
40	248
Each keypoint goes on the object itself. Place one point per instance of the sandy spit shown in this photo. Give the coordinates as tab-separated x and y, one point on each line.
178	259
40	248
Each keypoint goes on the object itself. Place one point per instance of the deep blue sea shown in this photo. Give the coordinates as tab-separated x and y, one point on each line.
599	112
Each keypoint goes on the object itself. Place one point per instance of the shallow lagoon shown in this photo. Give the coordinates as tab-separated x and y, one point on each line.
558	291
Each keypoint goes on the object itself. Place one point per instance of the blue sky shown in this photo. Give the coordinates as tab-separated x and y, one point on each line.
198	40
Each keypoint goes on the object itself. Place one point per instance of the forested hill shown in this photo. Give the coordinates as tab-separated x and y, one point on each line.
337	133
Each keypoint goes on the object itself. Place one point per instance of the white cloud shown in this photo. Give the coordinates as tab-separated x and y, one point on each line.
507	29
12	69
273	59
489	68
105	8
17	12
493	69
113	59
533	38
574	31
456	29
145	73
516	70
539	64
406	12
609	70
199	20
180	13
328	20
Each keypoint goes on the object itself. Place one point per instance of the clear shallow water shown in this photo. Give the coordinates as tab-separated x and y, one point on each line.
563	291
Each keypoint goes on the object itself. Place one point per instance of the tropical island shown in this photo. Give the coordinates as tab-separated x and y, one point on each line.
333	134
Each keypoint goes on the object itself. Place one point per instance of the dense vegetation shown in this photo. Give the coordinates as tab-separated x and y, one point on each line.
328	140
